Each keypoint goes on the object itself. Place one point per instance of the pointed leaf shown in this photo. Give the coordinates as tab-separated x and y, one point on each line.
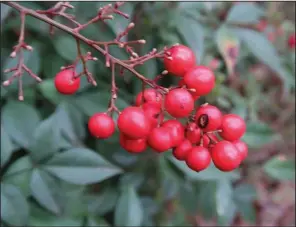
244	12
6	146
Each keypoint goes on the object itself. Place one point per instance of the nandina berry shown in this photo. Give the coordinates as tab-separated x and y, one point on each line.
193	133
198	158
177	131
205	141
292	41
242	148
179	59
179	103
225	156
134	123
200	78
208	118
153	113
180	152
149	95
100	125
160	139
65	82
233	127
194	95
132	145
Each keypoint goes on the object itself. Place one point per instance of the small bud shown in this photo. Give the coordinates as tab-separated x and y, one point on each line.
21	98
205	104
13	54
94	83
164	72
169	58
154	50
142	41
38	79
29	48
88	53
94	59
6	83
120	45
131	25
114	96
176	44
192	90
109	5
135	54
107	64
63	67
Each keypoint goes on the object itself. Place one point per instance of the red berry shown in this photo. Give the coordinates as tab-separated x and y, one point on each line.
160	139
225	156
133	123
193	133
194	95
179	59
200	78
150	95
208	118
179	103
198	158
242	148
177	131
292	41
180	152
233	127
65	83
101	125
132	145
153	113
206	141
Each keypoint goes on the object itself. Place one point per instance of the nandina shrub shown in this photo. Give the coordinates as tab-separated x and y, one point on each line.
137	113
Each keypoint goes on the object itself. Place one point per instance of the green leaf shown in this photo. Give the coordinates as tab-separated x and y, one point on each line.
95	221
258	134
81	166
6	146
188	197
20	120
280	169
5	10
129	210
14	207
41	188
49	91
133	179
206	199
245	193
244	12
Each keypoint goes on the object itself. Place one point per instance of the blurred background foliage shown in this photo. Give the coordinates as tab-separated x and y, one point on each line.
54	174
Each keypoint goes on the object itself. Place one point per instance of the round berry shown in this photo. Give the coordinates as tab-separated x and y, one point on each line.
149	95
177	131
198	158
206	141
292	41
194	95
200	78
101	125
208	118
180	152
65	83
193	133
242	148
233	127
133	123
132	145
225	156
179	103
179	59
153	113
160	139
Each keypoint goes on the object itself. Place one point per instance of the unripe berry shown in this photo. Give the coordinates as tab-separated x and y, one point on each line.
133	123
179	103
149	95
132	145
153	113
242	149
65	83
198	158
179	59
180	152
233	127
160	139
208	118
100	125
177	131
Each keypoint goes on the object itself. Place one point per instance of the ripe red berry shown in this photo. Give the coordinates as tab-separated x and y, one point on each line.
193	133
233	127
153	113
206	141
179	103
208	117
177	131
160	139
194	95
101	125
180	152
198	158
200	78
65	83
292	41
132	145
179	59
150	95
242	148
225	156
133	123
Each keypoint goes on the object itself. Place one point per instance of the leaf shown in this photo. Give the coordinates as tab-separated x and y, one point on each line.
129	210
133	179
228	45
94	221
41	187
6	146
188	197
14	207
20	120
258	134
49	91
81	166
244	12
5	10
206	199
245	193
280	169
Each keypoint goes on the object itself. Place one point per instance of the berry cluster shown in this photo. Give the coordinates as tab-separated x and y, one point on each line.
207	134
